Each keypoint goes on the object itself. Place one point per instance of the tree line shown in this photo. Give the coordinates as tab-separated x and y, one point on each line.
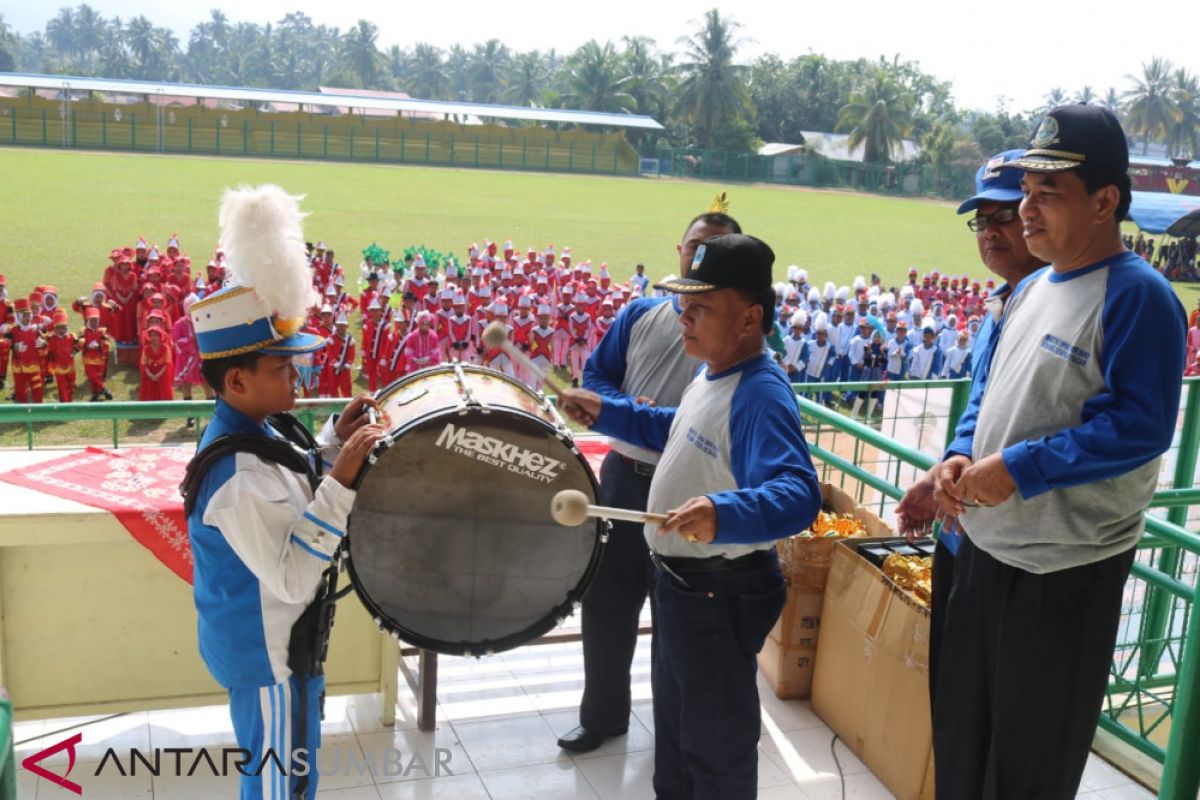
699	89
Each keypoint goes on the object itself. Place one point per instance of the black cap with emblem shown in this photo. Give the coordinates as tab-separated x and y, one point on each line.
1070	136
729	261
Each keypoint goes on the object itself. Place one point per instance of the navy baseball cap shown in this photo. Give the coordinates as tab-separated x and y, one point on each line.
996	185
1070	136
728	261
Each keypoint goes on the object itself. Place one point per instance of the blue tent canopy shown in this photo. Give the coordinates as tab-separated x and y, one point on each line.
1155	212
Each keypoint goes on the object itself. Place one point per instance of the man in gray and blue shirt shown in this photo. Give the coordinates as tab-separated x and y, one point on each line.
1057	458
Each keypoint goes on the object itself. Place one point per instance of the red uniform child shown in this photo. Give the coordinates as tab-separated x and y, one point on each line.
603	322
395	365
460	344
541	345
374	345
95	345
6	320
579	334
336	377
157	365
60	354
28	348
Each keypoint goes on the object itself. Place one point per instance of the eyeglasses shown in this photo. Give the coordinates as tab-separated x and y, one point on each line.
980	223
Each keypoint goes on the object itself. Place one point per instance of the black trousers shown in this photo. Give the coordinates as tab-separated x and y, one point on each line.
614	602
1022	673
707	718
943	581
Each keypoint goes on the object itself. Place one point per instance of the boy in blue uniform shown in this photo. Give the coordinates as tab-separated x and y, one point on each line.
735	475
263	535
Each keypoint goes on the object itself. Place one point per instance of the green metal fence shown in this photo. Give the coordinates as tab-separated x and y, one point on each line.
1153	700
196	130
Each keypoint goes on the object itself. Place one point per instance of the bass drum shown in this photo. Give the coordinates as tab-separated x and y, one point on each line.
451	543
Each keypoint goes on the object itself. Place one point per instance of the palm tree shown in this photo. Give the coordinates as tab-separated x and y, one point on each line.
528	81
648	76
1086	95
1185	132
426	73
714	89
61	35
878	116
595	80
397	61
486	73
1112	101
1055	97
90	30
360	54
1149	110
139	36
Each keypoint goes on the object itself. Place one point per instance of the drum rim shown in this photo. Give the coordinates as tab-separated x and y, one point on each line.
537	629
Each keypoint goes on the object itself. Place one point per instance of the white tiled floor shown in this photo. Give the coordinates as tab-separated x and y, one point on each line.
497	724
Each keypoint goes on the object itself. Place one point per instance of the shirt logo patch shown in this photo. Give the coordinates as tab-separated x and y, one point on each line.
702	443
1056	346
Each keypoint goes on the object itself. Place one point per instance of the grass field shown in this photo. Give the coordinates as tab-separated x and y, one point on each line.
62	212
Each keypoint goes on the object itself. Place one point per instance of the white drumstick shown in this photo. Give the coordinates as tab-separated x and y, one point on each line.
495	337
570	507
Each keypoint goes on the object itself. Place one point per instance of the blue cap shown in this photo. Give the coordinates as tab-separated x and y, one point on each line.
995	184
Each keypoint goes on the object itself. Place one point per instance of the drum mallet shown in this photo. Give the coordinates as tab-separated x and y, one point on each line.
495	337
570	507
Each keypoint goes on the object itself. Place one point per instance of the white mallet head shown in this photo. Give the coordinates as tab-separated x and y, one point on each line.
569	507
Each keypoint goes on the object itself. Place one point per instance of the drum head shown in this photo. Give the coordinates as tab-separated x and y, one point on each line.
451	542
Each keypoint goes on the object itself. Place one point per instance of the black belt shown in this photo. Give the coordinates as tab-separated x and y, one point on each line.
754	560
639	467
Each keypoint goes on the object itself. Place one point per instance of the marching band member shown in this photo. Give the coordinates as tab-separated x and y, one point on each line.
338	358
60	353
96	344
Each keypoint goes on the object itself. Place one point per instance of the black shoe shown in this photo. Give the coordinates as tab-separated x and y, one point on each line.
107	394
581	740
95	397
191	423
574	383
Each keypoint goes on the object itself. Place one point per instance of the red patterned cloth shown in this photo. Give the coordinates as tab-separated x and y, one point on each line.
139	486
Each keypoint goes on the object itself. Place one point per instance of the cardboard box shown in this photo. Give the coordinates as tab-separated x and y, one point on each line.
789	654
871	678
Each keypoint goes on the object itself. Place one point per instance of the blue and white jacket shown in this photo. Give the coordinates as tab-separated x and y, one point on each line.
261	541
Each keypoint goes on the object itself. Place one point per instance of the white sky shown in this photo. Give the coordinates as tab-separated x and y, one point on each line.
984	48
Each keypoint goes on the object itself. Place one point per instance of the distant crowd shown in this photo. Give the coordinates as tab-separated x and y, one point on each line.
409	315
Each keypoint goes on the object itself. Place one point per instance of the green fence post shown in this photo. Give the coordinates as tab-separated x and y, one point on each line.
377	145
452	148
501	152
616	154
133	132
45	133
325	142
29	430
593	156
217	144
547	155
570	156
1158	602
14	126
299	139
352	144
959	396
245	152
74	129
524	146
272	137
426	147
1181	772
477	150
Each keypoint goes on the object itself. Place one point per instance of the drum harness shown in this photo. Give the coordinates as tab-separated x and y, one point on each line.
308	645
